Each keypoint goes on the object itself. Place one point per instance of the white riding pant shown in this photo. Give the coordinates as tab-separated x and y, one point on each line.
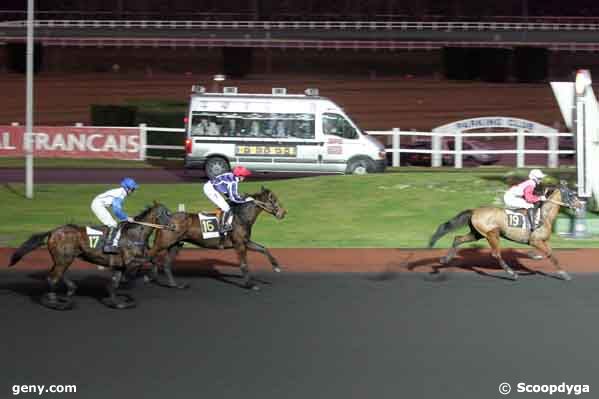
216	197
102	213
514	202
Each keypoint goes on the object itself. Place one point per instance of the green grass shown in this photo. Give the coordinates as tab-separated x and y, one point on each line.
391	210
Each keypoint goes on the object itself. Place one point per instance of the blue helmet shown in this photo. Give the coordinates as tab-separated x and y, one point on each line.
129	184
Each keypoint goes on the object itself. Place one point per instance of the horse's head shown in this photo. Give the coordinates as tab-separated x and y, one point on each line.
268	201
156	213
563	194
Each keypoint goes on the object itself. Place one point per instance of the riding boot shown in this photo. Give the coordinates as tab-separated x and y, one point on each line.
224	224
109	245
223	228
531	218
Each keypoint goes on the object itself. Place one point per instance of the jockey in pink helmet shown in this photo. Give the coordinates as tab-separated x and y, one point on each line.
522	195
224	189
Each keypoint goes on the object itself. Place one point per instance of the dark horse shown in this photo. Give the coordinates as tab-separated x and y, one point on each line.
67	242
188	228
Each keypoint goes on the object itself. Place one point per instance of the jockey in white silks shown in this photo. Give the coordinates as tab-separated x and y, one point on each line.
113	199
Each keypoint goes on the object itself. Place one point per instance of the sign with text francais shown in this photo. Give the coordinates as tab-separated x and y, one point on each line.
72	142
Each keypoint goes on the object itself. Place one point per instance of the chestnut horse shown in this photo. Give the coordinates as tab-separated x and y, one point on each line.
492	223
67	242
187	228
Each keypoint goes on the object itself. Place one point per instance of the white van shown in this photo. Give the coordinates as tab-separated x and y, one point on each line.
276	132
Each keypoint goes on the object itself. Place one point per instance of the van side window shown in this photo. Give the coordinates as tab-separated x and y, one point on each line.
264	125
337	125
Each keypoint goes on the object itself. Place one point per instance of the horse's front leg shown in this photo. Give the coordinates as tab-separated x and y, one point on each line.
545	249
241	249
170	257
254	246
112	300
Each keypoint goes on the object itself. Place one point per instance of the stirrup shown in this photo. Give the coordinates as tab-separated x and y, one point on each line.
226	228
111	249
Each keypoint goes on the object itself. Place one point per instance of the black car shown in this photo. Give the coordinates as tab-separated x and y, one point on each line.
424	159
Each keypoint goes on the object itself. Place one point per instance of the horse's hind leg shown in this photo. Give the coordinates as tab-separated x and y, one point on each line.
493	239
52	299
254	246
546	250
457	241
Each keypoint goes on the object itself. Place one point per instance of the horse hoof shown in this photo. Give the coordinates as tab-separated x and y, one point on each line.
512	275
252	287
182	286
535	256
56	302
444	260
564	275
125	302
276	269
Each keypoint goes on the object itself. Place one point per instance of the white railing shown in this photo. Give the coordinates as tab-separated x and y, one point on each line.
144	129
310	25
438	148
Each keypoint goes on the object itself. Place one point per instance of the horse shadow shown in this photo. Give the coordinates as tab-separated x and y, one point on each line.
208	269
36	286
476	261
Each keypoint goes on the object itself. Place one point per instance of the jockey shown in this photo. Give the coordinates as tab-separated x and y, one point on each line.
522	195
224	187
113	198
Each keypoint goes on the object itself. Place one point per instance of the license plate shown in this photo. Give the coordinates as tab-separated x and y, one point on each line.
268	150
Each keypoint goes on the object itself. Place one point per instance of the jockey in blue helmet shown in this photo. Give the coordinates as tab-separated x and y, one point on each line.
113	199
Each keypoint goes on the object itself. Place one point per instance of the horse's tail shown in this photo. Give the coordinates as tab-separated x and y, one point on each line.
35	241
459	220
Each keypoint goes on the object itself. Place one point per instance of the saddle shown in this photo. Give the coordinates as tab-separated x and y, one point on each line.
96	236
529	219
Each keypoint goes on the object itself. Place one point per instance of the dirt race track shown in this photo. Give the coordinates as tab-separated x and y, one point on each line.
308	335
368	260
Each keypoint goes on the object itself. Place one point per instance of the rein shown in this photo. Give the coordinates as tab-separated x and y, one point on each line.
155	226
559	203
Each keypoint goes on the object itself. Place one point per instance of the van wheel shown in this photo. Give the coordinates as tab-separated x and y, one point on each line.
360	167
216	166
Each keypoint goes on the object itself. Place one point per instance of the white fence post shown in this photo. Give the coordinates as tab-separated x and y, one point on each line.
396	144
520	147
143	141
436	156
457	157
553	146
181	208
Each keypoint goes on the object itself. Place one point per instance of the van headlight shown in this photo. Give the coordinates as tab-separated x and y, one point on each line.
382	155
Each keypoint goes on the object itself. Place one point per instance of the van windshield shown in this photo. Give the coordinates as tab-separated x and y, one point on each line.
240	124
337	125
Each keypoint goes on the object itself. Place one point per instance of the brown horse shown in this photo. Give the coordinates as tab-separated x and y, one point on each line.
493	223
187	227
67	242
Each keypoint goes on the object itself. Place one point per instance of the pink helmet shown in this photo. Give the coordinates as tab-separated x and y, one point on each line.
241	171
